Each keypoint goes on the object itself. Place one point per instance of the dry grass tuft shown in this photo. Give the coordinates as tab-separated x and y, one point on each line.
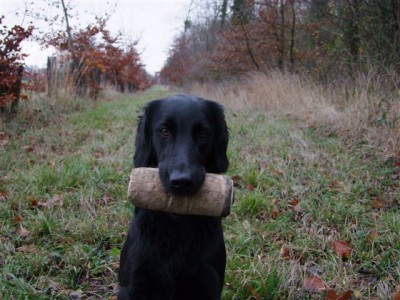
365	109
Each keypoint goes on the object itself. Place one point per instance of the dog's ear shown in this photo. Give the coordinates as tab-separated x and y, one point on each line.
220	161
143	146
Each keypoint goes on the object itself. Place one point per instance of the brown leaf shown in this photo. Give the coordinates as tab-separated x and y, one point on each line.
396	295
275	212
285	253
376	203
263	165
22	232
314	284
28	148
373	235
3	139
236	180
345	296
33	202
3	196
331	295
342	249
17	219
27	249
250	187
98	155
294	201
57	199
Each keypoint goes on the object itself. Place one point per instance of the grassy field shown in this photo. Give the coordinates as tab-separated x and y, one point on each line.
299	190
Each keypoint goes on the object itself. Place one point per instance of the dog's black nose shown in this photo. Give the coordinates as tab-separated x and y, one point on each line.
181	181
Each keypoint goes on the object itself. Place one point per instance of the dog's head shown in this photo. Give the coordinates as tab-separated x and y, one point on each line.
185	137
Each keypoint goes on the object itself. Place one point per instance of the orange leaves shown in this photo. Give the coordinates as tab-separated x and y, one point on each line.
342	249
376	203
11	66
35	203
396	295
333	296
285	252
314	284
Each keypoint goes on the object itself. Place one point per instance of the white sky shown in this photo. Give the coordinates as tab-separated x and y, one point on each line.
154	22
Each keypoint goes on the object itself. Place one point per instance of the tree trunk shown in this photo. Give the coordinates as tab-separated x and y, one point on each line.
292	33
16	91
281	58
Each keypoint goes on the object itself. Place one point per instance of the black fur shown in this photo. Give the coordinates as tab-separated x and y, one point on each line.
166	256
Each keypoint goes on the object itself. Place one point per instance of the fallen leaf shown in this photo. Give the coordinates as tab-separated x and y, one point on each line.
33	202
98	155
333	184
342	249
263	165
345	296
3	139
396	295
250	187
331	295
254	293
27	249
376	203
17	219
22	232
3	196
314	284
294	201
373	235
285	253
28	148
56	199
236	180
275	212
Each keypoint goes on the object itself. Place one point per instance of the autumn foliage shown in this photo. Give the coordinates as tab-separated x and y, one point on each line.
11	64
97	58
324	38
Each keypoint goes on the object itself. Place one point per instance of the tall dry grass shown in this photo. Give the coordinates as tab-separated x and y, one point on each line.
367	108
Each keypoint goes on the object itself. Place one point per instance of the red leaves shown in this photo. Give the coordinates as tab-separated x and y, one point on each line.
35	203
342	249
396	295
11	67
376	203
333	296
314	284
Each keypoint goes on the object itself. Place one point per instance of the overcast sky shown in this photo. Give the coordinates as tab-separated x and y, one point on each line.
154	22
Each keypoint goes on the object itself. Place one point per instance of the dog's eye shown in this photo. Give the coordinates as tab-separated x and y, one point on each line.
202	134
164	131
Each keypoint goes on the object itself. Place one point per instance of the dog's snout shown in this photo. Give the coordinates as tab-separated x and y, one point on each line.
181	180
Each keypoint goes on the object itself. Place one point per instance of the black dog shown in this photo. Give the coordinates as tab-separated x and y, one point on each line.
167	256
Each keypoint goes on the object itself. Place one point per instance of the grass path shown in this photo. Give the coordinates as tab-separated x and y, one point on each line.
64	215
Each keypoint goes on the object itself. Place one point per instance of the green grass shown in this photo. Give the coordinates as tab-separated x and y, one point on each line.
64	214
